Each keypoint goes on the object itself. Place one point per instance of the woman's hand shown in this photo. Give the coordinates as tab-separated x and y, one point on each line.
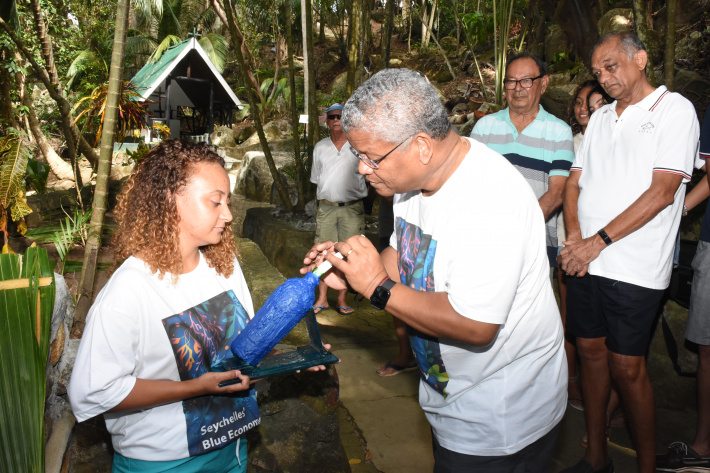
209	382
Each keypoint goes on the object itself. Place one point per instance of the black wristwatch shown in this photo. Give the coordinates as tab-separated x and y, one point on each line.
379	298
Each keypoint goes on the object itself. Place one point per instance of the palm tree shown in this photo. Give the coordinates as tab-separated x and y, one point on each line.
115	83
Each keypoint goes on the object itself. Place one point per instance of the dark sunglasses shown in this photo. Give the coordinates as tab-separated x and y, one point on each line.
333	117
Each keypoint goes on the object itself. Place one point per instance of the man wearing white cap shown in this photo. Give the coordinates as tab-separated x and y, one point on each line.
340	193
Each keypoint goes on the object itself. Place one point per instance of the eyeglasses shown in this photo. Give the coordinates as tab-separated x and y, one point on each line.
526	83
333	117
373	163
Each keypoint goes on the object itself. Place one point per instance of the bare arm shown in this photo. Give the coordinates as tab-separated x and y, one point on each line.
551	200
578	254
700	192
147	393
431	312
571	197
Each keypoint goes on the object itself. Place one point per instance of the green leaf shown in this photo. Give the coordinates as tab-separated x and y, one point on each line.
12	170
22	372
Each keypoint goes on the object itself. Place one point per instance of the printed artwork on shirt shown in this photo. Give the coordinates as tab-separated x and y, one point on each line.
200	337
415	255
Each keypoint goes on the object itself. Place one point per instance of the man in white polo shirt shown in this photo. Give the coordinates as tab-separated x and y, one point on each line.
623	203
340	192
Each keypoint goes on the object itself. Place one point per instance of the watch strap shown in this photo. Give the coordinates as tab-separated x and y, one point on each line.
605	237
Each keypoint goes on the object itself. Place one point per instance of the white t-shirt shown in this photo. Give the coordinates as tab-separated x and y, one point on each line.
335	173
481	239
143	327
618	158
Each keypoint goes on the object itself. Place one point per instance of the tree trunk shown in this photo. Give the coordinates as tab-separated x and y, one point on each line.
301	204
642	32
424	18
578	21
113	96
244	48
354	39
62	169
251	98
69	129
387	36
7	114
669	53
309	71
44	40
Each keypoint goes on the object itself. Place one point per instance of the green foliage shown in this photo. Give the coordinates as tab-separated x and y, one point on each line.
27	312
136	156
13	164
37	174
131	112
64	235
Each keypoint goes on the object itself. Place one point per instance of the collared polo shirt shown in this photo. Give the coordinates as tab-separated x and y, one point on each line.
335	173
618	158
544	148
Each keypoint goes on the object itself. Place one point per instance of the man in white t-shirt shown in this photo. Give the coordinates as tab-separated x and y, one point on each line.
481	316
340	193
623	203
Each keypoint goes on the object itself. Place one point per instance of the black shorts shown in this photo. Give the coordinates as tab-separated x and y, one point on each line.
600	307
535	457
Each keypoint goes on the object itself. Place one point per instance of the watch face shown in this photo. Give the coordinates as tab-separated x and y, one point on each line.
379	298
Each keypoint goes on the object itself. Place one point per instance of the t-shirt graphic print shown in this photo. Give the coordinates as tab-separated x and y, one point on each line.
200	338
415	255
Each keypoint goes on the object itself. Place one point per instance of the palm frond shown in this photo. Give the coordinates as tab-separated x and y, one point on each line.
216	46
165	44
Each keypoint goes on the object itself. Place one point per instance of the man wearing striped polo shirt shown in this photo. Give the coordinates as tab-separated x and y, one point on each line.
538	144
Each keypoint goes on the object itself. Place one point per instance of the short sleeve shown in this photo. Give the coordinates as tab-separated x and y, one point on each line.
677	140
101	377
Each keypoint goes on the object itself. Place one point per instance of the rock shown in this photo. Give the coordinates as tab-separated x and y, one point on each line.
254	179
461	108
395	62
282	244
555	43
223	137
449	44
442	75
121	166
556	100
466	128
560	78
274	130
616	19
340	81
245	133
689	47
692	87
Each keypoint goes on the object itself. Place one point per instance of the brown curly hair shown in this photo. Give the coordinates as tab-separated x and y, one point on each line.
571	119
147	214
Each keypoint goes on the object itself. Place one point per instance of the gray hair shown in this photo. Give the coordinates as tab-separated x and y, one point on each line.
628	42
394	104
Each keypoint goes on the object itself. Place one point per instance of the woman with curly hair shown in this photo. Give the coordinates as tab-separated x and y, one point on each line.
168	313
578	113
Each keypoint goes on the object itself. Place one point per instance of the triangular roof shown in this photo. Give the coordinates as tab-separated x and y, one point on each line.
154	73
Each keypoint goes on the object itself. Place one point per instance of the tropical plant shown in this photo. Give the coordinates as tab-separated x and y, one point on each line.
63	235
476	28
26	302
131	111
13	164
